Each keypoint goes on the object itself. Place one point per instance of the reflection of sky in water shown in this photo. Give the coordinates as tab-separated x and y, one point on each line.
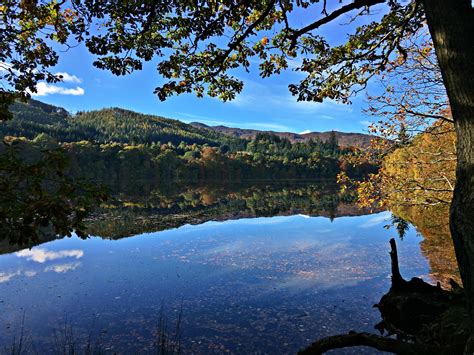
280	282
41	256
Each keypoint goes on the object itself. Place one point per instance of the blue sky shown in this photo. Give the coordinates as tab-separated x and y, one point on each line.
264	104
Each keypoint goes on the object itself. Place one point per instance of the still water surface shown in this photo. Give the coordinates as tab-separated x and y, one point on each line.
268	284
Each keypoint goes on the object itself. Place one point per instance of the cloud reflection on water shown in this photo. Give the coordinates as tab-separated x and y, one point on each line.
62	268
41	255
7	276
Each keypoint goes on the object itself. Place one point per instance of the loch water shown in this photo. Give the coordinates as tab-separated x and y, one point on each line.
261	269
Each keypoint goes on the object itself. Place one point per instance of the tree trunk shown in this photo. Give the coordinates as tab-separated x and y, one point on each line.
451	24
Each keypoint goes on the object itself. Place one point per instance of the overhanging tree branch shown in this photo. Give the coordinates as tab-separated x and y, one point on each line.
357	4
234	44
426	115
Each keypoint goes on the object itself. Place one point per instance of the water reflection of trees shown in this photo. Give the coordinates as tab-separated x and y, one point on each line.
149	209
145	207
432	222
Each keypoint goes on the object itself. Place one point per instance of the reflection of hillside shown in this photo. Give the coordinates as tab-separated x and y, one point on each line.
164	208
433	224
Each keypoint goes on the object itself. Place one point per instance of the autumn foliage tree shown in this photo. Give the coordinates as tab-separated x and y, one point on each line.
417	154
421	173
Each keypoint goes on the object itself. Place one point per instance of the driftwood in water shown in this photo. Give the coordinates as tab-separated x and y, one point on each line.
424	319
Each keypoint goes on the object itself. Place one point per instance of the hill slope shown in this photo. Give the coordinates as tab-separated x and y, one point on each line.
344	139
104	126
124	126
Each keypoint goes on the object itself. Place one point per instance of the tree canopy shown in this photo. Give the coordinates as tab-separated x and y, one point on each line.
198	43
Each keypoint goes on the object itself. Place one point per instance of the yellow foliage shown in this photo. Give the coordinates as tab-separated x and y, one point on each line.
422	172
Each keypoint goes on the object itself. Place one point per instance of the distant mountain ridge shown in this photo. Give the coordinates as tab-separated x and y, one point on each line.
344	139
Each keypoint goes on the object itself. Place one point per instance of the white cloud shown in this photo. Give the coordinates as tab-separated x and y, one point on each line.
365	123
41	255
305	132
69	78
61	268
7	276
43	89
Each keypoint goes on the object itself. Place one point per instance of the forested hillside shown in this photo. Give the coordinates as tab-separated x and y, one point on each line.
124	126
106	126
116	145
